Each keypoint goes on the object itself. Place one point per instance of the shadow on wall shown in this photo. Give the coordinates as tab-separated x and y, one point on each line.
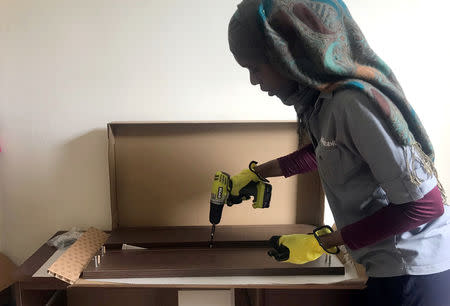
83	182
52	188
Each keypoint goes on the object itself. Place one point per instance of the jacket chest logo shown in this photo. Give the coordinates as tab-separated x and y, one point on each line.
328	143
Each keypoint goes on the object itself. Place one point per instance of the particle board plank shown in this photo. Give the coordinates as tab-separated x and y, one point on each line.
192	262
198	236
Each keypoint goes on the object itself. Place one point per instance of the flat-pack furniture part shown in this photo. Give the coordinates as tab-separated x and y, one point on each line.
239	250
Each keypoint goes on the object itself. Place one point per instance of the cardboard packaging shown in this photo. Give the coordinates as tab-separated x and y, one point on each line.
161	173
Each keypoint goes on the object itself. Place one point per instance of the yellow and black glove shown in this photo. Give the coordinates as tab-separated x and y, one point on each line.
300	248
242	180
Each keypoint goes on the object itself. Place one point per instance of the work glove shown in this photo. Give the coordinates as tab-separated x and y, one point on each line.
241	180
300	248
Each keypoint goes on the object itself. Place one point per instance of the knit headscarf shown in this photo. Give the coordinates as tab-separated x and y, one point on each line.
318	44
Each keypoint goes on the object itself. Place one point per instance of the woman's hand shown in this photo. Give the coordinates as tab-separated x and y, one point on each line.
242	179
303	248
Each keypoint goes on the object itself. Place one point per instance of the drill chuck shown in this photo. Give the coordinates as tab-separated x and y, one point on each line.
215	213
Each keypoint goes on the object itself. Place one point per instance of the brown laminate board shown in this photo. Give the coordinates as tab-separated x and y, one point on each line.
95	296
25	279
198	236
192	262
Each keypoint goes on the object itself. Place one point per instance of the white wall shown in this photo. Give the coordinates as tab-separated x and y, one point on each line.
69	67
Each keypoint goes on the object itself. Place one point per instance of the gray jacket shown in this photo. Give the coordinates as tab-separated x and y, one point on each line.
362	170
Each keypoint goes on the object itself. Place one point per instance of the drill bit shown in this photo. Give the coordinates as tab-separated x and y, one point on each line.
213	230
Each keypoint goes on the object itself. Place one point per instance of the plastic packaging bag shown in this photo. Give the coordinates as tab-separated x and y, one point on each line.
65	240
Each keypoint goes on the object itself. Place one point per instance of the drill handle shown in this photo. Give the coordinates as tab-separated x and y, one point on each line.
232	200
244	194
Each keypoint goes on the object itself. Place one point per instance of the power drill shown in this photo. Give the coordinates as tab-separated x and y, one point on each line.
221	194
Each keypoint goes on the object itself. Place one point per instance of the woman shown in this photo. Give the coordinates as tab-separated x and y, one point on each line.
373	155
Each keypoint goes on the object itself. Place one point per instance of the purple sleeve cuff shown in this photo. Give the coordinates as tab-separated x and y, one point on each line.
301	161
392	220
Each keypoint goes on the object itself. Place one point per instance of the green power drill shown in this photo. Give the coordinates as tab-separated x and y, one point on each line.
221	194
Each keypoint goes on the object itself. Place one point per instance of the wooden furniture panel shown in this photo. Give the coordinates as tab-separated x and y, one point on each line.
121	296
184	251
193	262
313	297
198	236
299	297
6	297
29	290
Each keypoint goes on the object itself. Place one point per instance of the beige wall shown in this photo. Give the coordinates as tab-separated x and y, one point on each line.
69	67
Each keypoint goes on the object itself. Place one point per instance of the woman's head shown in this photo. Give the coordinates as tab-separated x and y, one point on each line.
246	40
314	42
262	73
318	45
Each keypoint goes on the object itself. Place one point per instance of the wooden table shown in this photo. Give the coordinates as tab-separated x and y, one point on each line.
37	291
31	291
